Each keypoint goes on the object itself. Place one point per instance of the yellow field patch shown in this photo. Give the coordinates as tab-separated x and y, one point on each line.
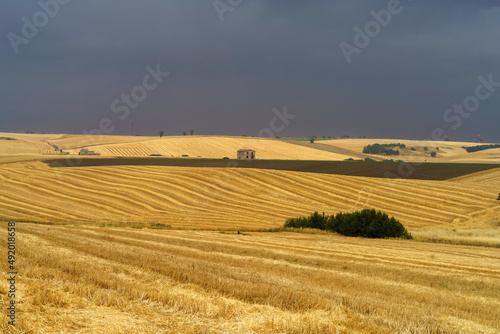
222	198
226	146
22	147
448	151
213	147
96	280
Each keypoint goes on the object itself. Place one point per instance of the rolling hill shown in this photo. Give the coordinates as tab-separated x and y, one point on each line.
78	279
124	247
216	147
210	147
190	197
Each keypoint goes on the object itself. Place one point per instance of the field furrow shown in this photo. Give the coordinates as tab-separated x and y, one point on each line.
191	197
154	281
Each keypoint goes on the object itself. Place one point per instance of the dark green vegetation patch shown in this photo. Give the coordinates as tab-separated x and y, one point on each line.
383	149
366	224
480	147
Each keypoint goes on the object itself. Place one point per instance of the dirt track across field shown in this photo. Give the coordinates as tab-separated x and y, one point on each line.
333	149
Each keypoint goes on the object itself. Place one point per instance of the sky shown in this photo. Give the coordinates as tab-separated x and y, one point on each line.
381	69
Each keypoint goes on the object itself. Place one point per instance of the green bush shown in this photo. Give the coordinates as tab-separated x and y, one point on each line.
367	223
382	149
313	221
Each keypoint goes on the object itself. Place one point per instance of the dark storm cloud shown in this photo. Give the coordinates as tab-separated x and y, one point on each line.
227	76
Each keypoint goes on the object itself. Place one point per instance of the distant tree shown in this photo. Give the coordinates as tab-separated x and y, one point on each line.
191	131
323	136
161	133
184	133
498	199
311	140
345	136
433	154
446	139
329	137
426	148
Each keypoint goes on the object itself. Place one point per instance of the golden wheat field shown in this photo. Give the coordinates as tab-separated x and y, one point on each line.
230	198
221	146
75	279
155	249
447	151
213	147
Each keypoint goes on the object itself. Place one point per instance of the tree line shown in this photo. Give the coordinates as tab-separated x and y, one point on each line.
480	147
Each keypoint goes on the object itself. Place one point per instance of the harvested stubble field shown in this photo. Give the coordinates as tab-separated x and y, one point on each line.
76	279
216	147
194	146
230	198
419	171
86	274
448	151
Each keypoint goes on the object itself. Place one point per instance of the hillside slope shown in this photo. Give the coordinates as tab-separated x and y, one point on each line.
489	178
212	147
447	151
19	144
222	146
230	198
76	279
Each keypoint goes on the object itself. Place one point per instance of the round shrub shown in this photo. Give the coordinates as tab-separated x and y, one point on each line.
367	223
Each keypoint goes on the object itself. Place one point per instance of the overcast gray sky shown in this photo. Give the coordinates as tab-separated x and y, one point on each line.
227	75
